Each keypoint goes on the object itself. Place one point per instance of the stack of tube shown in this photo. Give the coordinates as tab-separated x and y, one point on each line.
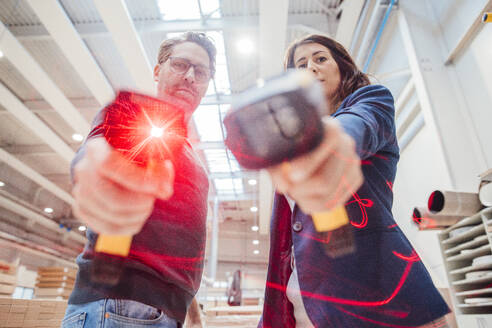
445	208
485	189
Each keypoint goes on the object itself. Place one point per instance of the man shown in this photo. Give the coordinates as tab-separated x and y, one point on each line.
166	211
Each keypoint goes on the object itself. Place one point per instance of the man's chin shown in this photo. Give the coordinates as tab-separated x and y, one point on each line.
183	103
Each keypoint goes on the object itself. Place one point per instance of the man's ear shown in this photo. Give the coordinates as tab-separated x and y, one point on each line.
157	70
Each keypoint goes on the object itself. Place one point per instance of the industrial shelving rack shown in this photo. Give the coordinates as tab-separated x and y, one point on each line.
458	253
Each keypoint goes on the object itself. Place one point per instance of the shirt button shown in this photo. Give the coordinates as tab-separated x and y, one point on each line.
297	226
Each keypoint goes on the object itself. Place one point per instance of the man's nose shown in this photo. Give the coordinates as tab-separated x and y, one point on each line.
190	74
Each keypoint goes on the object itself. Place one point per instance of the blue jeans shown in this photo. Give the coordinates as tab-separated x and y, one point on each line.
113	313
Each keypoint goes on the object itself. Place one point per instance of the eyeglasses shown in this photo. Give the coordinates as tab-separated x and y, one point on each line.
182	65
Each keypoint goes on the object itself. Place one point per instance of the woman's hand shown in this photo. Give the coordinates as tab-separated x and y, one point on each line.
114	196
324	178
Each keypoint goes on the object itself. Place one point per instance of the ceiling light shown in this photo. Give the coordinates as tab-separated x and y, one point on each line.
2	183
1	54
252	182
48	210
82	228
256	252
256	242
77	137
245	46
253	209
255	228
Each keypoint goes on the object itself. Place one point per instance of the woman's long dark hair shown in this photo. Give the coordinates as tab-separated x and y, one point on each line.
351	78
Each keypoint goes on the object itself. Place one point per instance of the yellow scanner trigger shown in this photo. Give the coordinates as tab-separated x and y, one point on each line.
331	220
114	244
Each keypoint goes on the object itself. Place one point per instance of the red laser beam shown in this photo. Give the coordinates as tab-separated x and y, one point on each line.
410	261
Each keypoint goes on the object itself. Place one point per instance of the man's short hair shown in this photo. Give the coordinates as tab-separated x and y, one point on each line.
197	37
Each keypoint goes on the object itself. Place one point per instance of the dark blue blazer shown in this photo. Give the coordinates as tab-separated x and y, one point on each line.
384	283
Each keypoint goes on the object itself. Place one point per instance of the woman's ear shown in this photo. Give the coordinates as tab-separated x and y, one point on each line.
157	70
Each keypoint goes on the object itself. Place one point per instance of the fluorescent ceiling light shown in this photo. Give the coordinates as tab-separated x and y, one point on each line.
48	210
229	185
252	182
245	46
256	242
253	209
255	228
77	137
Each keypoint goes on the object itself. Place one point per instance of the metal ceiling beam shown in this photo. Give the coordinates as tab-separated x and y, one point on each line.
232	197
469	35
389	76
32	122
39	105
37	77
351	12
404	96
35	176
8	243
38	218
58	24
145	27
241	174
119	23
273	27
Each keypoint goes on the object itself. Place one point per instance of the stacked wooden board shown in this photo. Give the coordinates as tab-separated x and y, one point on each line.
16	313
8	278
245	316
54	282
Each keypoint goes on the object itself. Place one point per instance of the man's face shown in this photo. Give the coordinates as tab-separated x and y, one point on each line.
182	89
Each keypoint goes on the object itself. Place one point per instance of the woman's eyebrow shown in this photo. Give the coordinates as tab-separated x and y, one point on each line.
313	54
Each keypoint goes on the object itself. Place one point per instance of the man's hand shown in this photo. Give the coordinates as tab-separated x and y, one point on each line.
114	196
324	178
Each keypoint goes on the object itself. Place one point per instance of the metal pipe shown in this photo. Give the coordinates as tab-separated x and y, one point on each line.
358	28
370	32
378	36
214	249
37	253
427	220
411	131
454	203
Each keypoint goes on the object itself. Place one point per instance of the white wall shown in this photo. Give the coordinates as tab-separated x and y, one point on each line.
455	144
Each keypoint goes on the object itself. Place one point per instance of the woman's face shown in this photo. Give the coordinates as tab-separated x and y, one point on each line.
318	59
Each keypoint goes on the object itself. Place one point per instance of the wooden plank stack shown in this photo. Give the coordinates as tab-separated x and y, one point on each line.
15	313
8	278
54	282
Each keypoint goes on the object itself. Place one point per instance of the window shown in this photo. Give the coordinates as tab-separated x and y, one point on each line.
25	293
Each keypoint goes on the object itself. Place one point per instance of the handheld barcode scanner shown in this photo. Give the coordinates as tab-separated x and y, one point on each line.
147	131
277	122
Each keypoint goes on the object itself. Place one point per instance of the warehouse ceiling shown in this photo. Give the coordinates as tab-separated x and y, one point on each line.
62	60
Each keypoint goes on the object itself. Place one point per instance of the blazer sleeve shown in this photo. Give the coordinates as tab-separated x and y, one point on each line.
368	116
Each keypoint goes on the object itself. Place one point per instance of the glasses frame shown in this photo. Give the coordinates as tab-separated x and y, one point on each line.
190	64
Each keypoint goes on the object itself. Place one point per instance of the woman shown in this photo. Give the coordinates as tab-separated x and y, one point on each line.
383	283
